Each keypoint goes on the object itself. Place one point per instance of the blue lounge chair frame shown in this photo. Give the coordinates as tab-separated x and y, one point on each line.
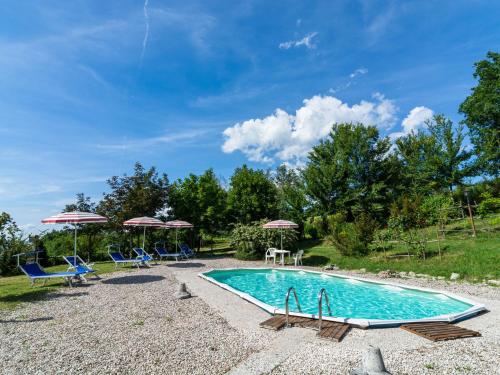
118	257
162	252
143	256
186	251
34	271
79	265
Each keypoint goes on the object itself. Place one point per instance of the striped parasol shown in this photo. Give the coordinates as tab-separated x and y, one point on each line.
280	224
178	224
75	218
144	221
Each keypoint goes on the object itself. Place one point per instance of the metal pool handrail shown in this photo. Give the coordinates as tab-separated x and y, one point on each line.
320	307
286	303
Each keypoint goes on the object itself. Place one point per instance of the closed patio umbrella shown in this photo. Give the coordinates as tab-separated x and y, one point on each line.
75	218
144	221
178	224
280	224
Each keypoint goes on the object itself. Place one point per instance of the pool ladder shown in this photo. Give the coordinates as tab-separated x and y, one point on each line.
321	293
287	309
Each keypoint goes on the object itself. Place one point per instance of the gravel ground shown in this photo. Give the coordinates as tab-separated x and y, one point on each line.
129	323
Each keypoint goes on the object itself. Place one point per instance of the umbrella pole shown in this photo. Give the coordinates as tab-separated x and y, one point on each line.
74	251
144	238
281	230
176	244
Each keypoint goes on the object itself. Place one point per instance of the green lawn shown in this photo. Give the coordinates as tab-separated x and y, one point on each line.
17	289
473	258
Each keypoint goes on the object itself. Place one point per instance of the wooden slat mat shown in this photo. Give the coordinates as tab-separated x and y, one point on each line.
329	331
439	331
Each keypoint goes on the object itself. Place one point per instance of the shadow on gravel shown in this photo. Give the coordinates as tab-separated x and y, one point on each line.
187	265
39	295
34	320
134	279
65	295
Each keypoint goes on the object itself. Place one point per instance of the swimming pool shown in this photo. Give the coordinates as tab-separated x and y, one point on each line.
353	300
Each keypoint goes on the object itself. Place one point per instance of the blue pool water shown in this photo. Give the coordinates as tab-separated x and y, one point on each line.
349	298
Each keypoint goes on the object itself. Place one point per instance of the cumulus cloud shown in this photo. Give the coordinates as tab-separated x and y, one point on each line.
414	121
306	41
289	137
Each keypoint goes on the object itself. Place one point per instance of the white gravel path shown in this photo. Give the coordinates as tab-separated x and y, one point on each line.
129	323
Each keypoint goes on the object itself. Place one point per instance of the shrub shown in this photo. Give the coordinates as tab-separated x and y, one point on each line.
438	208
251	241
489	204
11	243
352	239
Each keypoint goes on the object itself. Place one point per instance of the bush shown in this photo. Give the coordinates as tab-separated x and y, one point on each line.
11	243
438	208
251	241
488	205
352	239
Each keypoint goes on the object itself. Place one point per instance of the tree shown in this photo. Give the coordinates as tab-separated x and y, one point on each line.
351	172
11	243
252	196
145	193
413	150
201	200
449	161
482	113
291	195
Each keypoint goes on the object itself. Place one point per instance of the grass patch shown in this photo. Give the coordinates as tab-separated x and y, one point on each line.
473	258
17	289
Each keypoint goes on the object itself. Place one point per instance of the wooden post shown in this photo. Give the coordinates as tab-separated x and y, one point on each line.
470	215
439	242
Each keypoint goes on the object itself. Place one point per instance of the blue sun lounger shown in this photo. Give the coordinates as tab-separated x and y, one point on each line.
186	251
162	252
143	255
118	258
77	264
34	271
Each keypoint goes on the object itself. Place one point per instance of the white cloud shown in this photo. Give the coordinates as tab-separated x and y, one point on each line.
306	41
414	121
357	72
289	137
142	143
146	33
350	82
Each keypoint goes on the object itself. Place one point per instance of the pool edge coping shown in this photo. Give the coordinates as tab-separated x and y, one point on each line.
475	308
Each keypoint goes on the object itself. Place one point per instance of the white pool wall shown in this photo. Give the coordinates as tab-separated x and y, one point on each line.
475	308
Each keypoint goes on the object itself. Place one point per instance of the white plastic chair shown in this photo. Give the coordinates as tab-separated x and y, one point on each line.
298	257
270	254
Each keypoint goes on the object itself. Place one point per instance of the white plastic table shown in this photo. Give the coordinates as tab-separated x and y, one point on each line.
282	255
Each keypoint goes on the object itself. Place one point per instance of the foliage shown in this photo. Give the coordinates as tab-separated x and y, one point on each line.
11	243
351	239
252	240
489	204
291	195
252	196
200	200
482	113
352	172
438	208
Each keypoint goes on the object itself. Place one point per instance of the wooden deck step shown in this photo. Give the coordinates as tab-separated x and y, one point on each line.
275	323
329	331
439	331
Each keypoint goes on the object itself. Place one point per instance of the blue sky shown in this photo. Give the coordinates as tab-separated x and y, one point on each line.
89	87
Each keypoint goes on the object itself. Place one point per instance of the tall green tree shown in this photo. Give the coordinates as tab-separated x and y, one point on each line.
449	162
351	171
482	113
145	193
201	200
252	196
291	195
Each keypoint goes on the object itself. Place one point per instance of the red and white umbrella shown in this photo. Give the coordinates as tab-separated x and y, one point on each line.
75	218
144	221
178	224
280	224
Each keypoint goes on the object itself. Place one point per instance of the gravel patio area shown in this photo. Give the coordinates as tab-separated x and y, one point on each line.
130	323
